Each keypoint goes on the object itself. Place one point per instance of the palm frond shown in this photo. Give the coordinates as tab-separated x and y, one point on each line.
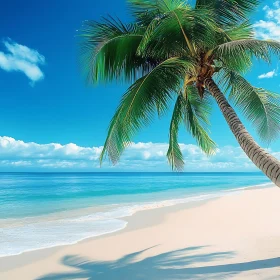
174	153
146	37
179	32
259	106
242	31
228	11
232	32
237	55
148	95
197	119
108	51
194	112
146	10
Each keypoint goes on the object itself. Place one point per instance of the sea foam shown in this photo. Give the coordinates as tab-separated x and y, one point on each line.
77	207
43	232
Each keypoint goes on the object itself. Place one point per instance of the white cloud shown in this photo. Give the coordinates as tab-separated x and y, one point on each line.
19	155
276	4
22	59
270	27
268	75
11	148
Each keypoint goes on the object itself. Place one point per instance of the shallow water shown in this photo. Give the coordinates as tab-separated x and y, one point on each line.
40	210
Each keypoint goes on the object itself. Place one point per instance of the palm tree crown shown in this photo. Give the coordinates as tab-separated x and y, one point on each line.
170	50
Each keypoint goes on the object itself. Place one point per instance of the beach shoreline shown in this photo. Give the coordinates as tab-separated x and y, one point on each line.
91	222
165	231
170	205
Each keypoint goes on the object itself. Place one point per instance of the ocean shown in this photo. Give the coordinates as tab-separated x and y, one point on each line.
42	210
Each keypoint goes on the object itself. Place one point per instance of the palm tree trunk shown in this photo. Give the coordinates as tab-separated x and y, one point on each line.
268	164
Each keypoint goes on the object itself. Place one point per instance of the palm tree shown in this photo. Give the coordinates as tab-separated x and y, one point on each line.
191	53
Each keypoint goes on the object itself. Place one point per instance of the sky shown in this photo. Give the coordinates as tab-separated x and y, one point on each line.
51	120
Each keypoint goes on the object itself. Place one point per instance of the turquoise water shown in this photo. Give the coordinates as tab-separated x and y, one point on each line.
39	210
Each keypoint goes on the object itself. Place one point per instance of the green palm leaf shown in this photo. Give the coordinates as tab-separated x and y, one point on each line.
194	112
237	55
259	106
181	25
174	153
242	31
197	119
109	51
148	95
229	11
146	10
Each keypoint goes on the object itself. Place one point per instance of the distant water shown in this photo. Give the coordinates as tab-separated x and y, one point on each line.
41	210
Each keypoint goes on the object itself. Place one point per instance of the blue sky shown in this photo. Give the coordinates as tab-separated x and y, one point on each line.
44	98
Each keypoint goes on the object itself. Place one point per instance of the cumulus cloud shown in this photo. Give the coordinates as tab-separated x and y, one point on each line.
268	75
22	59
19	155
270	27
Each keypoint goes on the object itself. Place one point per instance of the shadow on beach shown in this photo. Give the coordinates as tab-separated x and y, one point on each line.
179	264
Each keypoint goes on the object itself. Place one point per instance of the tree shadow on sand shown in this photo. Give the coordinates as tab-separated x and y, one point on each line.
175	265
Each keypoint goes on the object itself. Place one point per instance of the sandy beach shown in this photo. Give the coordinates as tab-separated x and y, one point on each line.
233	237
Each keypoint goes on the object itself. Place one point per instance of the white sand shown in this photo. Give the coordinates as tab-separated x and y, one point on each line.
234	237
